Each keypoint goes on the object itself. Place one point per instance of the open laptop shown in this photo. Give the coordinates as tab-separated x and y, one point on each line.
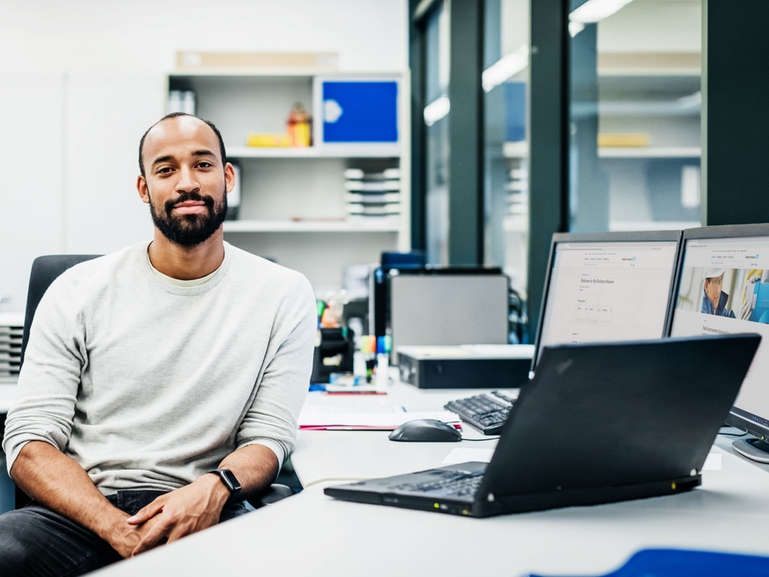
598	423
609	286
599	287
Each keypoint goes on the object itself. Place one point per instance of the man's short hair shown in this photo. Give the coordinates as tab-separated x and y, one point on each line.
175	115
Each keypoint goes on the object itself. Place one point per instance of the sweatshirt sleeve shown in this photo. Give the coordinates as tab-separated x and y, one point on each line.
50	377
272	419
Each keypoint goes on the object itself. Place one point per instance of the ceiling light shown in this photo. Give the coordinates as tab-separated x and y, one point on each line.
594	11
505	68
436	110
575	28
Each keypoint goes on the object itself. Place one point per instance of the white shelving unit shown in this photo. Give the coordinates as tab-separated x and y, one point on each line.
288	191
521	150
310	226
341	151
650	152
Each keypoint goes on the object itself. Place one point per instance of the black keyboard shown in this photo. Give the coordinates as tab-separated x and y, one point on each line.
456	485
486	412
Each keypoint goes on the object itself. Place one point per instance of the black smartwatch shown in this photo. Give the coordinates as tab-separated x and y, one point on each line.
230	481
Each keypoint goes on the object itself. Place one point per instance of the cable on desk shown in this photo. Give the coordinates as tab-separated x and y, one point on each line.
485	439
340	479
740	434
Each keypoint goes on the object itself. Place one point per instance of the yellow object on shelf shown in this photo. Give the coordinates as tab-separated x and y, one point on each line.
299	126
623	140
269	140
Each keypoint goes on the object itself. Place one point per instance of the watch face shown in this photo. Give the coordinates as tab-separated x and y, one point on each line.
230	480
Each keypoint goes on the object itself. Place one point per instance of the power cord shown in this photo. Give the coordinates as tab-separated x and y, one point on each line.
725	434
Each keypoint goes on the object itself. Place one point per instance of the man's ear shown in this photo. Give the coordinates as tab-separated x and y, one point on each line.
141	187
229	177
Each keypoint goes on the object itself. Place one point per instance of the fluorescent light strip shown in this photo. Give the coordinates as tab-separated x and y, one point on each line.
505	68
436	110
575	28
593	11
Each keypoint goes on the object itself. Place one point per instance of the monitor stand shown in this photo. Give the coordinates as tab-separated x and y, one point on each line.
752	448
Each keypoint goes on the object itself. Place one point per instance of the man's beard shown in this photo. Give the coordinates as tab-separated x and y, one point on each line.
189	229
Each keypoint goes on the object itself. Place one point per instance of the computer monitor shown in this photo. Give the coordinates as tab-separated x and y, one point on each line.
378	296
448	306
611	287
723	287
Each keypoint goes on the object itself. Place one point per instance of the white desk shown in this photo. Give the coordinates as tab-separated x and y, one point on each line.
311	534
323	456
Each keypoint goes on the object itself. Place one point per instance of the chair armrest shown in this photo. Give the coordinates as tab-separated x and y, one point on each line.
270	495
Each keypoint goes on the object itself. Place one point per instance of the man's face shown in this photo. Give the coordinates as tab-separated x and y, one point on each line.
186	183
713	288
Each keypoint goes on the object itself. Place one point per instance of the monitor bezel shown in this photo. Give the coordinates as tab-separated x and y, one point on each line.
744	423
615	236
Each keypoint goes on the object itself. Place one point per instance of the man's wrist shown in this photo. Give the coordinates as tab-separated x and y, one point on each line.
113	527
228	484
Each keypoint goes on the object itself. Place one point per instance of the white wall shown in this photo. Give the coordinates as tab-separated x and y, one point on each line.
653	26
81	80
144	35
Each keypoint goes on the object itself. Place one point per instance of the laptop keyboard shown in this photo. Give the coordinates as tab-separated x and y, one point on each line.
486	412
458	485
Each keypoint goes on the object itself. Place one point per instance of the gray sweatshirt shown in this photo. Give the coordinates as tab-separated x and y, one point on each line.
148	382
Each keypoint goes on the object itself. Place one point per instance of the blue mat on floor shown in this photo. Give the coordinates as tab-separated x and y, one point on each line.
678	563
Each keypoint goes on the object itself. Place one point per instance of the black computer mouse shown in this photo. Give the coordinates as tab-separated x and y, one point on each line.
426	430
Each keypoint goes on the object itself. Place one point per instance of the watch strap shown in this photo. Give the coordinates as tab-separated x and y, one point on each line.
230	481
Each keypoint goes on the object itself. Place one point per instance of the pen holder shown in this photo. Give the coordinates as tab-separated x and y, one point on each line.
333	354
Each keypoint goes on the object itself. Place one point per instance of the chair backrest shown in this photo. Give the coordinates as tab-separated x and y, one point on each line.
45	270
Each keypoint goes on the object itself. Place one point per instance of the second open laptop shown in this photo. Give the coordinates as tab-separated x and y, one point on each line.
614	286
598	423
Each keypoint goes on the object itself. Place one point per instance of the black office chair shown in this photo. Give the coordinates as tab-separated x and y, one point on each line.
45	270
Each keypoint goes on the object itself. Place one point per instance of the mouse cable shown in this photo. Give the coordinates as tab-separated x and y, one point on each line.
727	434
486	439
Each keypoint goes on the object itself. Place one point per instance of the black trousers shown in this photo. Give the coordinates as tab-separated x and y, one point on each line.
35	541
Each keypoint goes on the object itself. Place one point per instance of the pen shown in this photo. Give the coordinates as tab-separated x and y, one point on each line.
356	392
343	428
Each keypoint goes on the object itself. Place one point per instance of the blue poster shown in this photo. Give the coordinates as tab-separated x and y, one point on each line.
362	111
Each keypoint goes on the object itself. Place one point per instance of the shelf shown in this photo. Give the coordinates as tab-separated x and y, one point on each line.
340	151
310	226
278	184
269	71
516	223
625	226
515	149
651	152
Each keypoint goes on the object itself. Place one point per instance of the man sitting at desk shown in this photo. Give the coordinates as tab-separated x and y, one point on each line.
151	370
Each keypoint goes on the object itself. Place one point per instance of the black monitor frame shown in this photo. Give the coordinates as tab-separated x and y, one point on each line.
598	237
755	425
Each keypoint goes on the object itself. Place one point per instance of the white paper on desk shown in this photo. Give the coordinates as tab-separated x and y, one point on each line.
466	455
380	420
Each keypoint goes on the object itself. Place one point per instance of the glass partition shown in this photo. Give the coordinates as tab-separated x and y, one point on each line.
506	179
436	114
634	156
